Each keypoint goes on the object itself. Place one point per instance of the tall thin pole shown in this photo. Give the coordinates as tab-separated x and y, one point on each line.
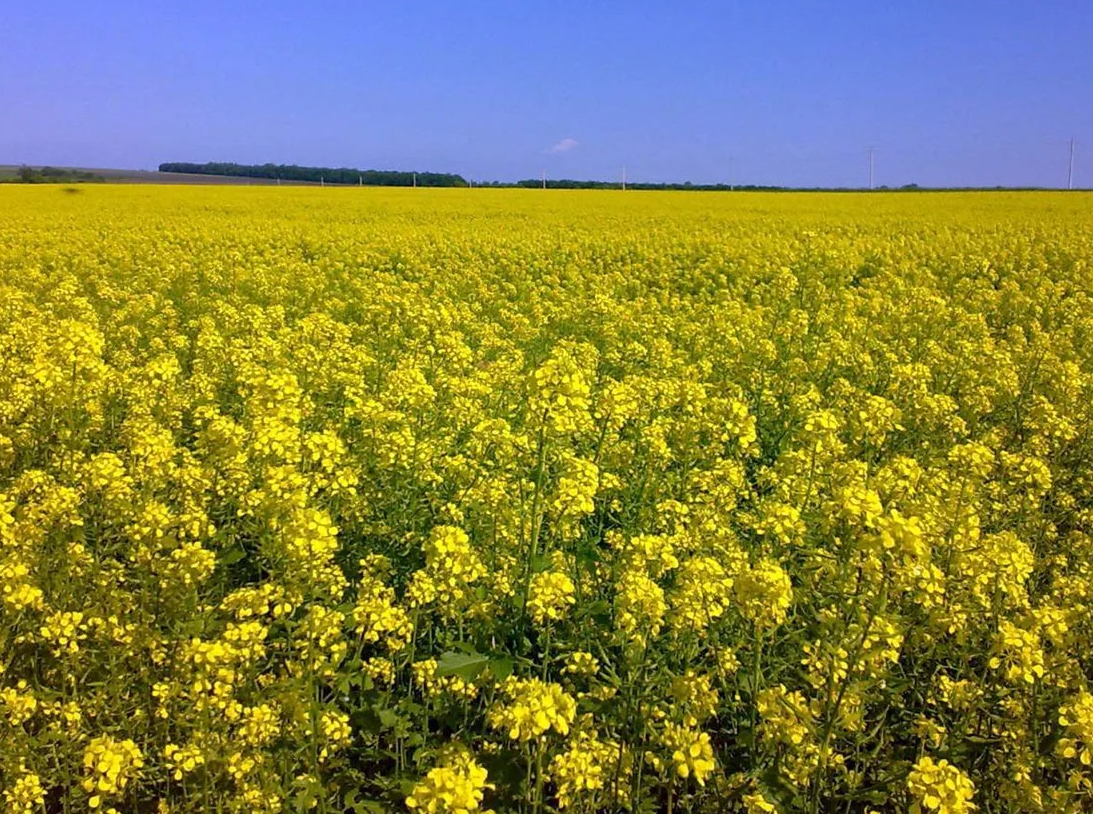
544	178
624	177
415	180
1070	170
870	167
731	184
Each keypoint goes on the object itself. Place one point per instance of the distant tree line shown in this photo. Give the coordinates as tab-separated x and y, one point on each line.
329	175
52	175
400	178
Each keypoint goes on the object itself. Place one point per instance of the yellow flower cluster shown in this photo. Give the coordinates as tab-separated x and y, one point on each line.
19	703
703	593
639	607
432	685
581	663
764	593
533	708
549	596
590	774
181	760
109	765
457	787
63	630
1077	717
695	700
939	786
335	731
452	567
25	795
378	617
559	394
692	754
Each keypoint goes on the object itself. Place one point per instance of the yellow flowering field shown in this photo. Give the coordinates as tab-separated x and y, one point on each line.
449	501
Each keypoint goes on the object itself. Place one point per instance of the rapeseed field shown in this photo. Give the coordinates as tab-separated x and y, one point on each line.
355	500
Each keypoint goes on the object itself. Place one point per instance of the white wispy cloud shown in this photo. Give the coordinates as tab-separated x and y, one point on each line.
563	146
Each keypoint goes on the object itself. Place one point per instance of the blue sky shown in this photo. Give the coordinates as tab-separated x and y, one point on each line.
791	92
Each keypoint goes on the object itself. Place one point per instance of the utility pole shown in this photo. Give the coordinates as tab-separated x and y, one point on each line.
870	167
322	181
732	186
544	178
624	178
1070	170
360	180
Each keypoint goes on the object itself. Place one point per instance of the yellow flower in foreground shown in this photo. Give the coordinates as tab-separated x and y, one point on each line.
549	596
535	707
941	787
455	788
692	754
109	765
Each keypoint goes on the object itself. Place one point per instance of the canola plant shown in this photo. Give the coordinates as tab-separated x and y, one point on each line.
452	501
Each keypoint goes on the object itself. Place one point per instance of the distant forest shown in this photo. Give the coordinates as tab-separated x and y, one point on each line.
49	175
399	178
396	178
329	175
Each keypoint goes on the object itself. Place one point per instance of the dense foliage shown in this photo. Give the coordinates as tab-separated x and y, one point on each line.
329	175
445	502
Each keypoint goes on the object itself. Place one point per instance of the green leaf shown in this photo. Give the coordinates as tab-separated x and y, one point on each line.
501	668
464	665
305	799
388	718
600	611
589	555
540	562
228	556
373	806
589	704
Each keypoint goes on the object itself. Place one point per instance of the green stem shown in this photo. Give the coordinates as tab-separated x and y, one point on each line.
756	676
833	714
538	804
546	651
533	545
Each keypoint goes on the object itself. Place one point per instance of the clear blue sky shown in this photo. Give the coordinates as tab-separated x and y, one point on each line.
947	91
